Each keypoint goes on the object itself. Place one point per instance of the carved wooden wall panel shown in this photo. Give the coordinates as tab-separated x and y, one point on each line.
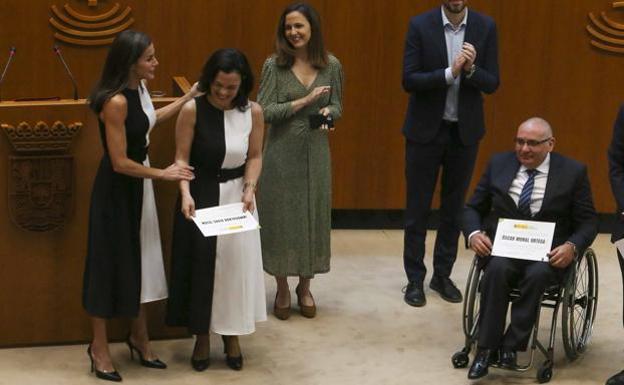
98	28
41	176
606	34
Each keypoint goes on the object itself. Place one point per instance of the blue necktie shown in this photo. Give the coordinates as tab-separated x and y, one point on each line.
524	202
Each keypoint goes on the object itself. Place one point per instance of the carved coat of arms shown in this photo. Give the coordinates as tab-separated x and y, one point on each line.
40	174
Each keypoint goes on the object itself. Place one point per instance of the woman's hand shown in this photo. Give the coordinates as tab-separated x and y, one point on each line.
317	93
188	206
177	172
248	200
195	92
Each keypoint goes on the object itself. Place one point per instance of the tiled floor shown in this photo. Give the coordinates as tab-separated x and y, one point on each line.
364	334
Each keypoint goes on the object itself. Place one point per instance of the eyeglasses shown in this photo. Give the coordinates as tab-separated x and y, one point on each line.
530	142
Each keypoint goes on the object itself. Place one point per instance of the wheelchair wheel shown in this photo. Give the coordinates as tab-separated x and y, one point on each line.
471	300
580	299
460	359
544	373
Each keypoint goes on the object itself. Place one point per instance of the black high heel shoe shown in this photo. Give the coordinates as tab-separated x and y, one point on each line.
155	364
201	364
108	376
235	363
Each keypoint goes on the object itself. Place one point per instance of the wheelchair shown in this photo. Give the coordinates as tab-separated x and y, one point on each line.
578	294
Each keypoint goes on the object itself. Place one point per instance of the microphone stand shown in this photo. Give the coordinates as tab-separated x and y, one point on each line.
6	67
57	50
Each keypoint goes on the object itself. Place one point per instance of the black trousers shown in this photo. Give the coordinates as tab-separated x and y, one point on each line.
423	162
501	275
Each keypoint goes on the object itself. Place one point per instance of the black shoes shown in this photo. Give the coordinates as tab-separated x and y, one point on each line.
414	294
508	359
114	375
108	376
479	367
235	363
155	363
200	364
617	379
447	289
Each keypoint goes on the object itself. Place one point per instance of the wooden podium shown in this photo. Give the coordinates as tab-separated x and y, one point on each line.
49	155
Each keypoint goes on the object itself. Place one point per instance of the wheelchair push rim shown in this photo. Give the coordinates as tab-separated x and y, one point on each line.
472	300
579	305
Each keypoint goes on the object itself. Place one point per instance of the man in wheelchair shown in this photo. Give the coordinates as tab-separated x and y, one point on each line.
532	183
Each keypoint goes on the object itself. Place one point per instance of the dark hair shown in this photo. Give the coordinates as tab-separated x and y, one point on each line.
125	51
284	51
228	60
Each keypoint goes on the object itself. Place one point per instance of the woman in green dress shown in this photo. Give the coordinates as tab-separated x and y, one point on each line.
301	94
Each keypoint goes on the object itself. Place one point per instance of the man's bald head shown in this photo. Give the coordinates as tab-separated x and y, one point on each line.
534	141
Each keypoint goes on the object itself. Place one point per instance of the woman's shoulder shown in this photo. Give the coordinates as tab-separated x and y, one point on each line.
333	60
114	108
255	107
190	106
255	110
116	102
270	61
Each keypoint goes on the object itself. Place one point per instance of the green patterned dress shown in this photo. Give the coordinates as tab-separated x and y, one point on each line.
294	197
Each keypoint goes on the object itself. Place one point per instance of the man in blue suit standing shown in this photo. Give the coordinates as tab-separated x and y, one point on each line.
616	177
450	59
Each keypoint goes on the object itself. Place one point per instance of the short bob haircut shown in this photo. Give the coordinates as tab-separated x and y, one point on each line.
228	60
284	51
125	51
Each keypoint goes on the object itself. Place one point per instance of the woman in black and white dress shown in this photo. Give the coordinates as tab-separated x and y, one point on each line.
217	283
124	267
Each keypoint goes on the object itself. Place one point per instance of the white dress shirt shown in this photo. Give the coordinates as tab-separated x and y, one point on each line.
454	42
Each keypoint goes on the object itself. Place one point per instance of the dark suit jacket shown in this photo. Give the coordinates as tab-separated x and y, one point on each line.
616	173
567	200
424	62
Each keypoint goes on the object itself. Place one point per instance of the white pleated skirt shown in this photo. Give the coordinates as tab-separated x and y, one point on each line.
153	281
238	300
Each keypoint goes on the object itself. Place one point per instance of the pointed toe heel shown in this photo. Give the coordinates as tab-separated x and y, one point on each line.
154	364
200	365
107	376
234	363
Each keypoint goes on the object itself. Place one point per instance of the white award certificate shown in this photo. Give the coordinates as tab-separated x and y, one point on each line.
620	245
226	219
529	240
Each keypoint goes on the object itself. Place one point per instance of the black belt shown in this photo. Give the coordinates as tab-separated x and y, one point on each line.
226	174
449	123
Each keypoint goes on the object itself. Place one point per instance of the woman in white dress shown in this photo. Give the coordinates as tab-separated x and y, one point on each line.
217	283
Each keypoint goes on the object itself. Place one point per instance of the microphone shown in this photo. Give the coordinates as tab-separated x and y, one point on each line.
57	50
6	66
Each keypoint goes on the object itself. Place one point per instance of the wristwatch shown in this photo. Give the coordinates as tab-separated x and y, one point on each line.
471	71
